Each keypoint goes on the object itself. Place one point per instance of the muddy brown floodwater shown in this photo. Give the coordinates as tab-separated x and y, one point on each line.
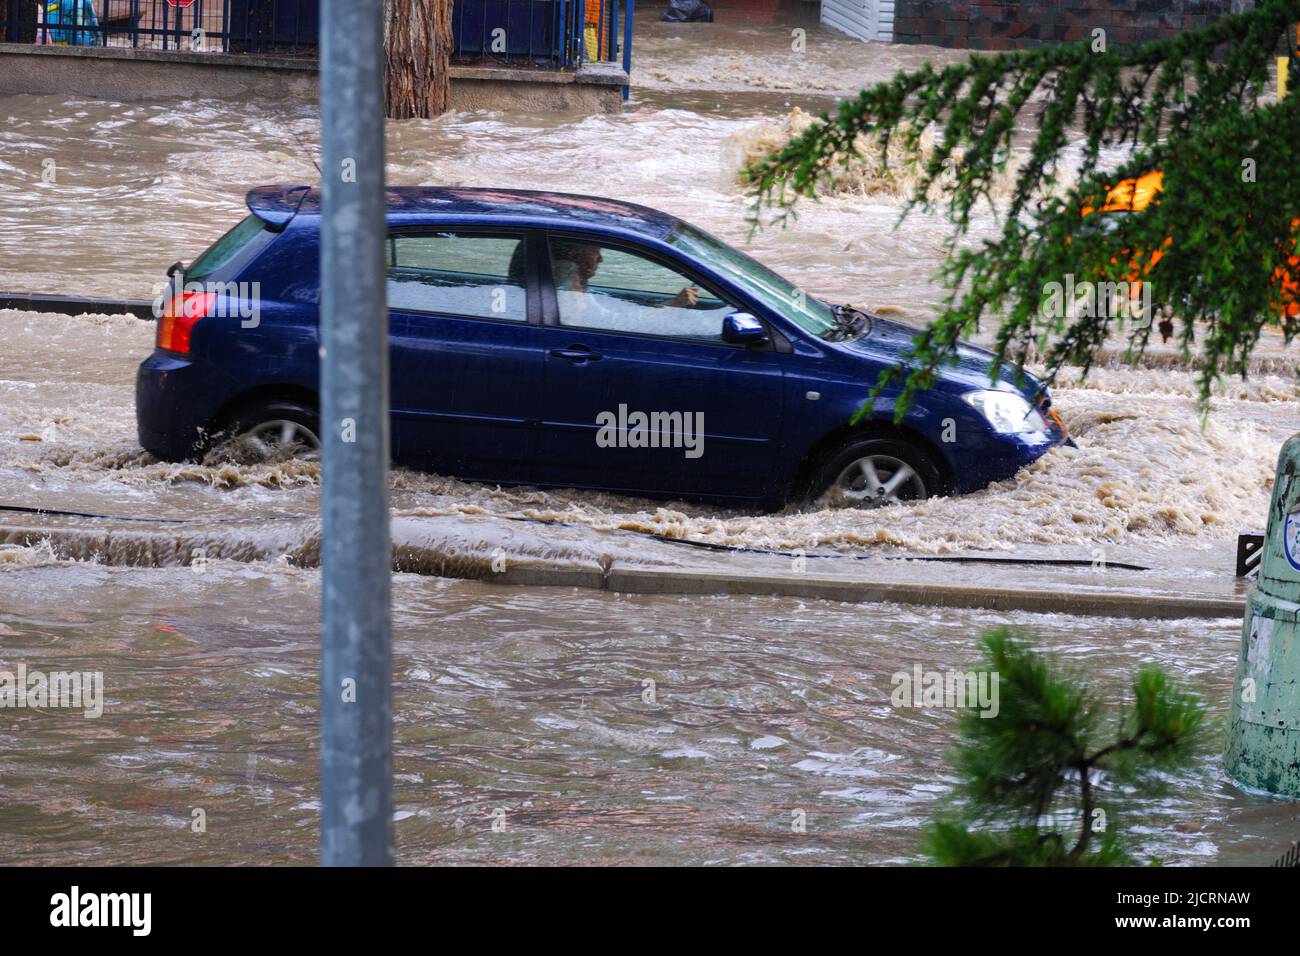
530	700
533	703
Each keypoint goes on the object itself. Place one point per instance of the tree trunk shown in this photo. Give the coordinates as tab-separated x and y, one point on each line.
417	49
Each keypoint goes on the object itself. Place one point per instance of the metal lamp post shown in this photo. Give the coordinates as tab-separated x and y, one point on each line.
356	653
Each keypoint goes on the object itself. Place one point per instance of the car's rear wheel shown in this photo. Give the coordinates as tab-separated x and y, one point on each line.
268	433
874	473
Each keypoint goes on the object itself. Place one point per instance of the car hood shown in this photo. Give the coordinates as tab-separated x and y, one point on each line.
890	341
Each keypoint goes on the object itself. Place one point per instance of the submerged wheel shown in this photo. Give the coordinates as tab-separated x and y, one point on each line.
273	432
875	472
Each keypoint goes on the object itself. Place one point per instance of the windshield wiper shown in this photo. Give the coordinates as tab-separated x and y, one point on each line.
849	322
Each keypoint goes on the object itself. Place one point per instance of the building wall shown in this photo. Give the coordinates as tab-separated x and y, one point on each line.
1017	24
864	19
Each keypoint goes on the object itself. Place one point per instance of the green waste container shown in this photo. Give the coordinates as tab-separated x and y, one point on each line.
1264	727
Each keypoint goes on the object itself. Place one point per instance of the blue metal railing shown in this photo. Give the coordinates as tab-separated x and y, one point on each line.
558	34
207	26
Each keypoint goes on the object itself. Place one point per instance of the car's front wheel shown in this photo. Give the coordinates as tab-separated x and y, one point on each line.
874	472
268	433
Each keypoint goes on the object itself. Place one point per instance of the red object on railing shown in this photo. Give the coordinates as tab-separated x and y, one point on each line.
592	32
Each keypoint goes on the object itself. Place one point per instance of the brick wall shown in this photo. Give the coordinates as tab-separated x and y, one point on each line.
1016	24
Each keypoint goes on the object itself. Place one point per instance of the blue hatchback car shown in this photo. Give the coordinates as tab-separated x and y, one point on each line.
560	340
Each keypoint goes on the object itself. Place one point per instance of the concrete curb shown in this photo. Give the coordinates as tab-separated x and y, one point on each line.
133	75
76	305
175	545
606	74
1079	602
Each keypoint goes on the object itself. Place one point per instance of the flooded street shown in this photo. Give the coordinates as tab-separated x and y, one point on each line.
529	700
1146	469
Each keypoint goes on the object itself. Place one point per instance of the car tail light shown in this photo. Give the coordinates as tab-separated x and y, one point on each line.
179	316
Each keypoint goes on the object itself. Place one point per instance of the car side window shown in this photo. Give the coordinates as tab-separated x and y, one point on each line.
458	274
603	287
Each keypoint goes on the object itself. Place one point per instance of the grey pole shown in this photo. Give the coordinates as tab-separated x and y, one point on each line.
356	696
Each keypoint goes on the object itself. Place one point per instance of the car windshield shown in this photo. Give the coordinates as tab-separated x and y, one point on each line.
780	295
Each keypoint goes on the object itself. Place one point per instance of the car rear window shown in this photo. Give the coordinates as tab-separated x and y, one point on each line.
453	274
224	250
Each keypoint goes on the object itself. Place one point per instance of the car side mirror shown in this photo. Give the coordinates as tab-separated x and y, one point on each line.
741	328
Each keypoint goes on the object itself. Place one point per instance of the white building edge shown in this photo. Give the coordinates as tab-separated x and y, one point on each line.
864	19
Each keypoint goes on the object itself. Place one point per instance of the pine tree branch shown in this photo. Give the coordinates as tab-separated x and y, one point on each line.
1196	94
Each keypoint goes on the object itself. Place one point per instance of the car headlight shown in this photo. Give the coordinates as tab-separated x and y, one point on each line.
1007	412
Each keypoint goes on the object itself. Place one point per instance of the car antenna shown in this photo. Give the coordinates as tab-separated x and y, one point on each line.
294	133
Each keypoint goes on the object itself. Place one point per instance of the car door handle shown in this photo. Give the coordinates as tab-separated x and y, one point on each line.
577	354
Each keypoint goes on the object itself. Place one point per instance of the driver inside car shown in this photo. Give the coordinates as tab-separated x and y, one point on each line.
621	302
574	263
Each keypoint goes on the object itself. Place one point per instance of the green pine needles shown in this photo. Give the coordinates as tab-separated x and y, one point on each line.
1065	124
1030	790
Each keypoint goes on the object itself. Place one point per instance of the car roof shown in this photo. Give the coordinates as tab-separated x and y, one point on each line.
278	204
